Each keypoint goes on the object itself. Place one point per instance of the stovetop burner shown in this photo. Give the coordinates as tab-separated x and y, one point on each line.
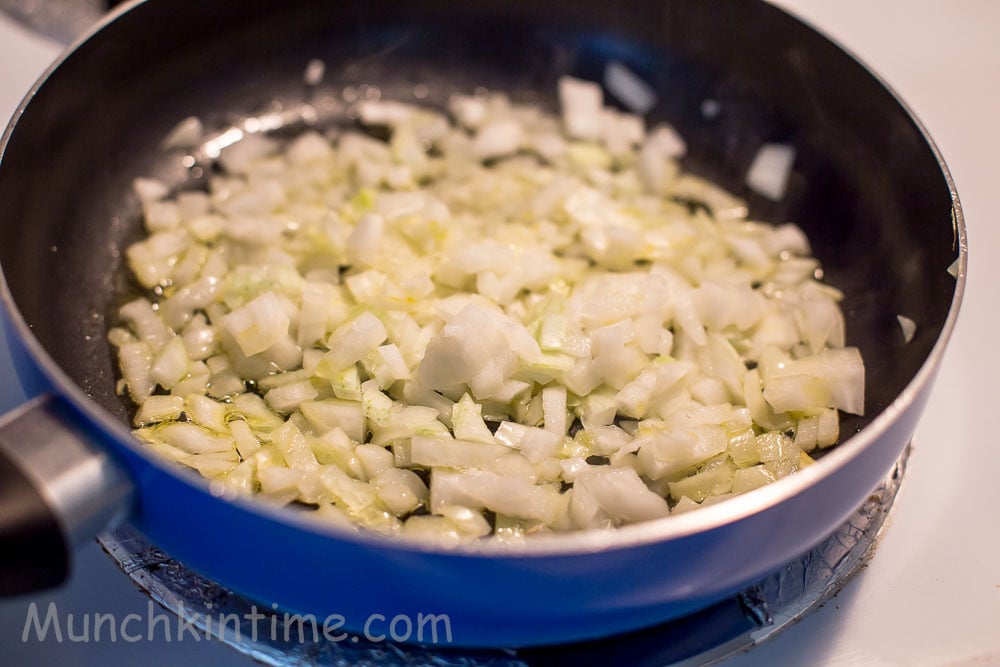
727	628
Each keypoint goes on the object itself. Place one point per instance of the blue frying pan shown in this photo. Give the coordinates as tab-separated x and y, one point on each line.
868	186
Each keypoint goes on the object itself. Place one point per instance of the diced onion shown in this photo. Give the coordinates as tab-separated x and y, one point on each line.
908	327
511	324
770	170
628	87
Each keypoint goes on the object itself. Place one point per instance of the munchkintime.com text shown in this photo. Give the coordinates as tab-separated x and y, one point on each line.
48	624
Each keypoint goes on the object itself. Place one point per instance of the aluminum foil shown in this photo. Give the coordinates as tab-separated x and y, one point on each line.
730	627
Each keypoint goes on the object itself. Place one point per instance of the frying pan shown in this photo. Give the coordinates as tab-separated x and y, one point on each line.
868	187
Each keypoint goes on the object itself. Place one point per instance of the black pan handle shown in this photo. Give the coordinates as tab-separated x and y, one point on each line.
33	551
57	490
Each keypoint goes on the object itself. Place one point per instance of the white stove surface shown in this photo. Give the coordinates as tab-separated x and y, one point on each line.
931	595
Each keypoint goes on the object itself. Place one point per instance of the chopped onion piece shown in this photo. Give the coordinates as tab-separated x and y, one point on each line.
626	85
769	172
581	102
355	339
170	365
259	324
620	493
186	134
191	438
908	326
150	189
497	138
314	72
402	491
159	409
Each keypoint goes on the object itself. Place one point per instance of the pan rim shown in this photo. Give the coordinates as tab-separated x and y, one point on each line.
669	528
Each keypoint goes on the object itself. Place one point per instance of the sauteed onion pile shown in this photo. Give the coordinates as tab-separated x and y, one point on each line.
487	320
